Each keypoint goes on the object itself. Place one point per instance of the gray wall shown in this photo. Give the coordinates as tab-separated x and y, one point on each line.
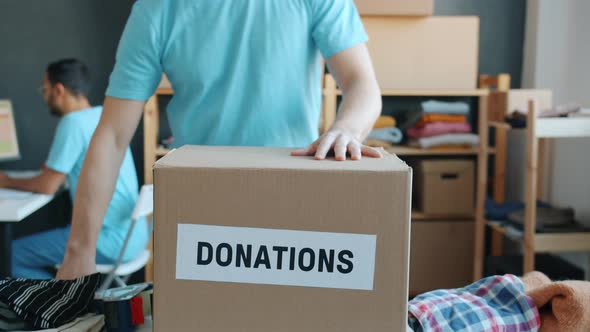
501	36
33	33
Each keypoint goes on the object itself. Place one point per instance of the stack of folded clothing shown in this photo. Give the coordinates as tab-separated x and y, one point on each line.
517	119
442	125
550	219
385	133
59	305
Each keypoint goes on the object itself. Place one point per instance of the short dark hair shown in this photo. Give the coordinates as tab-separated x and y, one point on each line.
72	73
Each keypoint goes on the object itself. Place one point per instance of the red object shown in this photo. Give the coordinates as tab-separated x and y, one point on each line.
136	304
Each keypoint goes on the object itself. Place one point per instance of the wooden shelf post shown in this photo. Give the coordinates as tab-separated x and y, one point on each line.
482	174
530	213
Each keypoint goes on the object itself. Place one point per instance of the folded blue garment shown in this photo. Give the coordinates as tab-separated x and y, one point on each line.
444	107
391	134
500	212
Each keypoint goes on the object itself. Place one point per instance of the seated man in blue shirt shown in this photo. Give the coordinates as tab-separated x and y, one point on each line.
65	88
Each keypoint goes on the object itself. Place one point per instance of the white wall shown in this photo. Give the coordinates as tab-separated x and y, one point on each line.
557	56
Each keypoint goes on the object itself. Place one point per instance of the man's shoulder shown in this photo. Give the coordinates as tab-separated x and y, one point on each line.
80	119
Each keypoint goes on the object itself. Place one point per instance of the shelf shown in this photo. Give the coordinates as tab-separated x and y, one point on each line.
416	216
408	151
550	242
428	93
162	151
563	127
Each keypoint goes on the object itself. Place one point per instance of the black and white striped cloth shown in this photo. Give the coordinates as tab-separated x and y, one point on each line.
49	304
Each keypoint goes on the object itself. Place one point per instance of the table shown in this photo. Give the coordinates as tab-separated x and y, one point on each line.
15	207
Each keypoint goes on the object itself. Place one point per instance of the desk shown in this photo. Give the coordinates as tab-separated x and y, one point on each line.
14	208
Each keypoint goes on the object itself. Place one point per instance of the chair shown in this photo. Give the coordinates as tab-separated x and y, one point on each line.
120	272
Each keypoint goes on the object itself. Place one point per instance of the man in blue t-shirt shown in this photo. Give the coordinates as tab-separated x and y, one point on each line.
244	72
65	88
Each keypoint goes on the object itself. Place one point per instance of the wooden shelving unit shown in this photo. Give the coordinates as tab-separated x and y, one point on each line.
542	128
329	108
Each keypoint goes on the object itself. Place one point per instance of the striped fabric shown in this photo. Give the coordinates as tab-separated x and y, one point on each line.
493	304
49	303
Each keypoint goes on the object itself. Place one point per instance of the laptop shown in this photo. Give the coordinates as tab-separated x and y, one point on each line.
8	142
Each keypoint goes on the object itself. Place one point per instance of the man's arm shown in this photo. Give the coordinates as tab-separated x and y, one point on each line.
47	182
97	181
361	105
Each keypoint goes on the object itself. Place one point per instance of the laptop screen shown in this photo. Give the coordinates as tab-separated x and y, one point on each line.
8	142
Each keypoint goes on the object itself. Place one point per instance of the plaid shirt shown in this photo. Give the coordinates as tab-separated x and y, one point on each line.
497	303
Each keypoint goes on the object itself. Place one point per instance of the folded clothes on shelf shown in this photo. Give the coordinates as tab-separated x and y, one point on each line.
385	121
549	219
447	139
517	119
433	118
561	110
391	134
438	128
445	107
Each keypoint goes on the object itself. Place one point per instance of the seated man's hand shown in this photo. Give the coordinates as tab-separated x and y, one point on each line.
3	180
341	142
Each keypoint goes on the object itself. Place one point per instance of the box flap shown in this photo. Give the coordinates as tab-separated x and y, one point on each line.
269	158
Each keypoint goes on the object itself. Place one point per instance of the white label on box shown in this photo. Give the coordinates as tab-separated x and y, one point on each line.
275	257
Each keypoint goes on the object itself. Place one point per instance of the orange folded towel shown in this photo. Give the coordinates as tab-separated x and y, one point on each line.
563	305
385	121
431	118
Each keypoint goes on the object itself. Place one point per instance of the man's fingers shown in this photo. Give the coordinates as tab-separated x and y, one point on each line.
340	147
371	152
302	152
324	146
308	151
354	148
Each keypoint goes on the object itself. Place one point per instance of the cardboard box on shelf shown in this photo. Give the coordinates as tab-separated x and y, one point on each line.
437	53
502	103
395	7
252	239
445	187
441	255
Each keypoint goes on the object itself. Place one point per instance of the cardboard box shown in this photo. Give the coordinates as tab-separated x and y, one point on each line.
502	103
340	228
395	7
441	255
446	187
438	52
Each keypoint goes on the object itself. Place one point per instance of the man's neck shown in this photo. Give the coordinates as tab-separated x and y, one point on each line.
76	104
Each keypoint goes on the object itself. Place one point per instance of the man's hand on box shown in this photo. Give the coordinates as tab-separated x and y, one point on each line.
340	142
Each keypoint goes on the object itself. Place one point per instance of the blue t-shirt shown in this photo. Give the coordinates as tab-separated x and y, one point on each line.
66	156
244	72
